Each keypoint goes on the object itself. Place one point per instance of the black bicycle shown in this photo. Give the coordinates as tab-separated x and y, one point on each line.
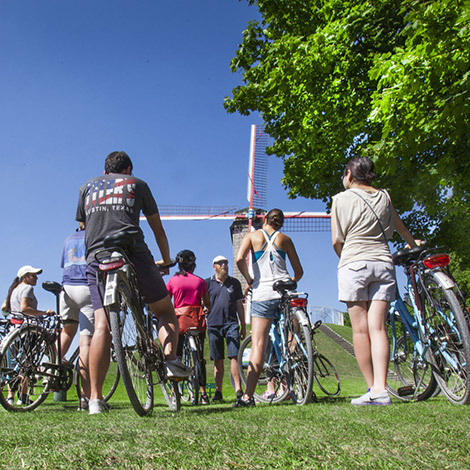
30	362
324	373
192	357
139	353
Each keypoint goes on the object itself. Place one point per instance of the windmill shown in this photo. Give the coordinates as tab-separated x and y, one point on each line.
251	217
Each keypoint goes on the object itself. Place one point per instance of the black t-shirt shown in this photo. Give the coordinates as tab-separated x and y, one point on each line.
223	299
112	203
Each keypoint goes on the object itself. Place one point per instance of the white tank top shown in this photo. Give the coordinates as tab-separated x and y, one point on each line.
269	266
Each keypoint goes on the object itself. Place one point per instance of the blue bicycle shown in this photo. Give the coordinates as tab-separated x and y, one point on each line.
288	365
429	335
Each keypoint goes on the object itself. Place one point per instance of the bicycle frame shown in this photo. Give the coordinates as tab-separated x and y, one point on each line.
417	327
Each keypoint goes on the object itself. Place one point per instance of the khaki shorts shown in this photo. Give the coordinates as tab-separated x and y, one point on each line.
75	307
366	280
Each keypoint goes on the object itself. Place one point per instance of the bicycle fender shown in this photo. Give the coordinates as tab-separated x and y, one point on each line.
110	289
443	279
303	317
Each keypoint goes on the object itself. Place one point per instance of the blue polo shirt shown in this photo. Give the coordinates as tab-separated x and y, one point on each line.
223	299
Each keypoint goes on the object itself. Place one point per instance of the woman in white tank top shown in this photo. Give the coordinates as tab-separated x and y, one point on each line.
269	249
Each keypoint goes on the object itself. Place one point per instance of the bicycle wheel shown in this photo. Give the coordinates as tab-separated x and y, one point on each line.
26	355
411	377
450	337
111	380
170	389
132	348
300	356
325	375
272	384
189	388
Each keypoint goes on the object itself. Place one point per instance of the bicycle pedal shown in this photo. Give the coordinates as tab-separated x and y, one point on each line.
406	391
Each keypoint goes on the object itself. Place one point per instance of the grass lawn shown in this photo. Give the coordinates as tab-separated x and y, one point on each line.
327	434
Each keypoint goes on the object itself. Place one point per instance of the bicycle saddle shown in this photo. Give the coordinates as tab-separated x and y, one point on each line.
282	286
121	240
406	256
52	286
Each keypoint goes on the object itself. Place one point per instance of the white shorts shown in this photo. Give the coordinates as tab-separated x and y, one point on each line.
75	306
366	280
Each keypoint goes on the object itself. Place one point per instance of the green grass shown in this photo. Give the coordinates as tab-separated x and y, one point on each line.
327	434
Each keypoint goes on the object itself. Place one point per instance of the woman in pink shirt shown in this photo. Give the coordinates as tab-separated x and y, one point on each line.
189	293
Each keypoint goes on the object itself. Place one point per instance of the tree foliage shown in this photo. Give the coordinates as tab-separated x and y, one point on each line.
384	78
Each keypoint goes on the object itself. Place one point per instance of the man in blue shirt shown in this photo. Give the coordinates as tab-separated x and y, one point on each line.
223	321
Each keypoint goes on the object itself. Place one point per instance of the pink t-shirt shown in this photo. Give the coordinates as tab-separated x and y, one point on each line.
186	290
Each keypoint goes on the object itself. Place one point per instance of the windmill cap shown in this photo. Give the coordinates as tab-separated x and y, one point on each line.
219	258
28	270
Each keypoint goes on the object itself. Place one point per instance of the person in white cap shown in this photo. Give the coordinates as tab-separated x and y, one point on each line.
225	323
21	299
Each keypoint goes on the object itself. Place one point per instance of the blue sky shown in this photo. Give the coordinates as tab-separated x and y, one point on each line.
80	79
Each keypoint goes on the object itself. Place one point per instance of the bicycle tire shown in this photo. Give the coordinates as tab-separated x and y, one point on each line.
24	356
111	381
170	389
300	356
326	376
448	331
270	370
412	378
132	348
189	388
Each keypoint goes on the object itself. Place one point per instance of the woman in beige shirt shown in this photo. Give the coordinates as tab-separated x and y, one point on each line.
363	219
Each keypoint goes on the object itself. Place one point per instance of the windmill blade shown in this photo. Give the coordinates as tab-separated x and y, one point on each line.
306	222
175	212
257	194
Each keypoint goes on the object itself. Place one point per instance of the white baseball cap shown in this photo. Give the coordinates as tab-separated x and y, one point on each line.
219	258
28	270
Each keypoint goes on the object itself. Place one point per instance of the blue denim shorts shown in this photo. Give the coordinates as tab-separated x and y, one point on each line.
217	335
151	285
266	309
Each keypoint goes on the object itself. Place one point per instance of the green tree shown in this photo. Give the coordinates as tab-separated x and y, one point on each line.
385	78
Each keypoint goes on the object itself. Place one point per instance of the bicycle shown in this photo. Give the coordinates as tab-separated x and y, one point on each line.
324	373
30	361
288	365
135	334
430	340
192	357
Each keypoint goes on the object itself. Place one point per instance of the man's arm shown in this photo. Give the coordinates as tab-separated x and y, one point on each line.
160	237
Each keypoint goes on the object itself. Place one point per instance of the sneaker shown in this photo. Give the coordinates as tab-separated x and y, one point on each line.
10	401
97	406
370	398
177	369
84	403
24	400
217	396
204	399
267	395
242	403
239	394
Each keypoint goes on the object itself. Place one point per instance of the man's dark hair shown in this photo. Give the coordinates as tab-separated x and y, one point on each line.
275	218
362	169
117	162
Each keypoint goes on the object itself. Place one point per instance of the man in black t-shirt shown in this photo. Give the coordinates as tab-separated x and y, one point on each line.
112	203
226	296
